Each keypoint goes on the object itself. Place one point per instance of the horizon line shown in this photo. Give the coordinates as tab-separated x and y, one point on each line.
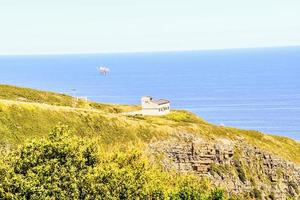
148	51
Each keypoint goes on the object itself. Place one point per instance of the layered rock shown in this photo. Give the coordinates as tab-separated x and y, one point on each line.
237	167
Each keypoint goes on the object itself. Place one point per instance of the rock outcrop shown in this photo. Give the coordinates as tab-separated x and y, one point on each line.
237	167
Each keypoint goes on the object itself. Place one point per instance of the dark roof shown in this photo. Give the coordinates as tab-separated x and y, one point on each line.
160	101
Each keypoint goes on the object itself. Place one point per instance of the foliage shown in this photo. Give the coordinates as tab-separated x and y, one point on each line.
256	194
216	194
219	169
64	166
184	117
27	114
240	170
30	95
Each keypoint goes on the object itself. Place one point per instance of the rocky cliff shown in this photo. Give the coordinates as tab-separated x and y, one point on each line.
233	165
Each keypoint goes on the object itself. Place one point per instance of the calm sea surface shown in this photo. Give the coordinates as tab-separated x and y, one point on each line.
253	89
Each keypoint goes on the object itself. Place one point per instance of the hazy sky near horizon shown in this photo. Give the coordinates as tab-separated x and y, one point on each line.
91	26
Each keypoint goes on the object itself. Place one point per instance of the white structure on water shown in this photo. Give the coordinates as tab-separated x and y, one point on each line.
154	107
103	70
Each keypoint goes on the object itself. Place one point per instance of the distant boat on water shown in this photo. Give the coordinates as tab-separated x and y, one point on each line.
103	70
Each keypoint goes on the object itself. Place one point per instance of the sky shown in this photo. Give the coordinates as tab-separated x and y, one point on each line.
102	26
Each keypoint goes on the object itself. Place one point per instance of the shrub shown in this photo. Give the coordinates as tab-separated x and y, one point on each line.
216	194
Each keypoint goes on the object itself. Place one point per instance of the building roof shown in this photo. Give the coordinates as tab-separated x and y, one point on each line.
160	101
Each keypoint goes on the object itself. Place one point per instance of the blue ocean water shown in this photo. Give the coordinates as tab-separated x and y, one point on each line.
255	89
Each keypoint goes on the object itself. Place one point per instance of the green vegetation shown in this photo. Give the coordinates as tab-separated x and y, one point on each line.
256	194
184	117
30	95
104	153
240	171
220	169
21	120
66	167
8	92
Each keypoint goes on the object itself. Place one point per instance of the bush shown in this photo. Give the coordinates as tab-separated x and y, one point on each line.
189	190
216	194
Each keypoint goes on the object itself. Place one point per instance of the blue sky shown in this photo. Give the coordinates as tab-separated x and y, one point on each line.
91	26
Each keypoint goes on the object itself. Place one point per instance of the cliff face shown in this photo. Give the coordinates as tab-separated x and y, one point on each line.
233	165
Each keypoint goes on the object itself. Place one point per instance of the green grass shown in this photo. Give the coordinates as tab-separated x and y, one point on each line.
30	95
36	113
36	96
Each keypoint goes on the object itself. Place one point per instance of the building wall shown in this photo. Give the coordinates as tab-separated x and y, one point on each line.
157	110
150	108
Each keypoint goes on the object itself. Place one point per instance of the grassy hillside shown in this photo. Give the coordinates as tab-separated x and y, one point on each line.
36	96
27	113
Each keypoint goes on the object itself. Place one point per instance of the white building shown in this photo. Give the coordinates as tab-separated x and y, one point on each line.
154	107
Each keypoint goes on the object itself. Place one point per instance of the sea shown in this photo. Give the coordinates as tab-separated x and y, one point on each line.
257	89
